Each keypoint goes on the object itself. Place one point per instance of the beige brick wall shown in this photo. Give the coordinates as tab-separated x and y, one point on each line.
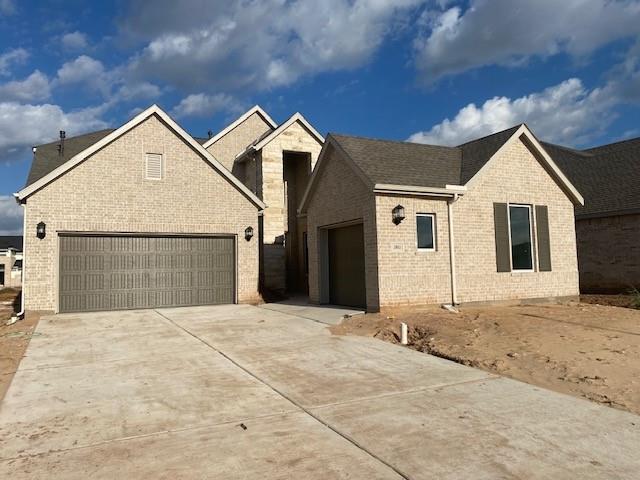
515	177
408	275
609	253
341	196
109	193
238	139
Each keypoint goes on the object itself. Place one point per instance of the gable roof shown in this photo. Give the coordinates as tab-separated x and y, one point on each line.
256	109
296	117
413	168
476	153
47	158
608	176
11	241
107	139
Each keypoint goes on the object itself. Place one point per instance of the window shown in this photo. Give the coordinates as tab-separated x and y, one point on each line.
520	235
154	166
425	226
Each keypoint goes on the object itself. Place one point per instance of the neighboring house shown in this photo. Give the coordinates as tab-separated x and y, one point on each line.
10	261
393	223
608	225
274	162
138	217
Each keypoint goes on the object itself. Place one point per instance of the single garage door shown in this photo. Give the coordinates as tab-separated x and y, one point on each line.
111	272
346	266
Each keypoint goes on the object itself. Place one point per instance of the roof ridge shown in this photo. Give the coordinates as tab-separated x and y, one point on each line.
403	142
613	144
491	135
575	151
76	136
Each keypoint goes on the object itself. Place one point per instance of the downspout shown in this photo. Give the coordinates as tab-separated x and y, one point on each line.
20	315
452	253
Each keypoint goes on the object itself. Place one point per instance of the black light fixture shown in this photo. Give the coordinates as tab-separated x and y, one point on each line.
41	230
397	214
248	233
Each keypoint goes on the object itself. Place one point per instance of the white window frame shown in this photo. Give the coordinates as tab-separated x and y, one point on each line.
433	232
146	167
531	238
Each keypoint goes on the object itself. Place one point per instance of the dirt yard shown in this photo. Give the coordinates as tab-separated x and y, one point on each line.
586	350
13	338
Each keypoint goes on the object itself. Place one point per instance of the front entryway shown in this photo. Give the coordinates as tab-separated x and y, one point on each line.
346	266
117	272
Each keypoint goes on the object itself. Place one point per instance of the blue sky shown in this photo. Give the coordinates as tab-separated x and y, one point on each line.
433	71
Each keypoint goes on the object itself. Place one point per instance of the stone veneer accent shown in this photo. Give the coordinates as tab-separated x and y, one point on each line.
108	192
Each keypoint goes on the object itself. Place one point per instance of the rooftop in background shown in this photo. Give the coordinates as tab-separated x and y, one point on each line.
11	241
607	176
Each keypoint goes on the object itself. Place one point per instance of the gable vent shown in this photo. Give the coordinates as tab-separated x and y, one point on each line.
154	166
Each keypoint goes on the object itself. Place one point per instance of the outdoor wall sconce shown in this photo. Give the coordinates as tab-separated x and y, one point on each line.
248	233
41	230
397	214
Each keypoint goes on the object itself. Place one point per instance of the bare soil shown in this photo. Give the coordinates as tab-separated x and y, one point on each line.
590	351
620	300
14	339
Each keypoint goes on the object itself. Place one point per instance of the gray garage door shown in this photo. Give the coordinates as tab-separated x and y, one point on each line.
100	272
346	266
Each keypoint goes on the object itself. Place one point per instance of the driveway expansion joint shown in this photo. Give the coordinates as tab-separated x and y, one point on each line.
291	400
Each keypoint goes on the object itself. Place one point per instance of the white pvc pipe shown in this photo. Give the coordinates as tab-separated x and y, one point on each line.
404	333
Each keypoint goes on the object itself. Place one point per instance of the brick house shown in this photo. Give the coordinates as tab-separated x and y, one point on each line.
392	223
10	261
147	215
608	224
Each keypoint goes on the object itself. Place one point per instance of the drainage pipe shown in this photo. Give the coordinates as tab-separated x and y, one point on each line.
452	253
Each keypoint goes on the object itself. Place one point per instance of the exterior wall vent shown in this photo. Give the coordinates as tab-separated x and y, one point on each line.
154	166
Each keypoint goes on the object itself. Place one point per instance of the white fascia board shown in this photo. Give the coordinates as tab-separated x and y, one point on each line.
256	109
153	110
296	117
448	191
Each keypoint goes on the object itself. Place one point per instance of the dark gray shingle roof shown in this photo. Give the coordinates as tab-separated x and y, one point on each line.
415	164
11	241
403	163
47	158
608	177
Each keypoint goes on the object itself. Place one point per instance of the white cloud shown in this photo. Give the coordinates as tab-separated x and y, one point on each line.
74	41
565	113
234	45
83	69
203	105
10	216
11	57
23	126
34	88
7	8
509	32
137	91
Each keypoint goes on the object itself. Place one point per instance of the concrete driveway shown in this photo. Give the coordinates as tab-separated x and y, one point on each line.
247	392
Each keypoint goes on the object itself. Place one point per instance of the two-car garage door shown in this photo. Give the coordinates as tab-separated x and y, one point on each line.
115	272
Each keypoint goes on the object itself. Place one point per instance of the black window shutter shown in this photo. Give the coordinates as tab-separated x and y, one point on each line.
501	222
542	231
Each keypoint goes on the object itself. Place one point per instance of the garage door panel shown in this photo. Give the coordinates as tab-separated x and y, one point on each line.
126	272
347	266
